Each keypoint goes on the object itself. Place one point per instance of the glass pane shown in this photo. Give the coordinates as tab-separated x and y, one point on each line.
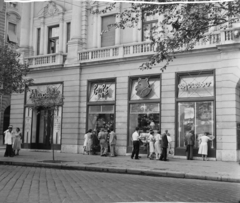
145	88
144	108
94	109
54	32
108	108
196	86
197	116
98	121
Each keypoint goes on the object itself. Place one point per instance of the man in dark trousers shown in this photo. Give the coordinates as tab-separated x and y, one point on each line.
189	143
136	143
164	146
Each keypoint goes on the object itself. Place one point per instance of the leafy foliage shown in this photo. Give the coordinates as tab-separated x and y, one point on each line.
179	26
12	72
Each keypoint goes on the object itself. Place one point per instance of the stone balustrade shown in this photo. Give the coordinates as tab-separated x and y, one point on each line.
45	60
146	48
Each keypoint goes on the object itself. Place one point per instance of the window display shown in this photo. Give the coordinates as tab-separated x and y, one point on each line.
146	116
196	116
101	116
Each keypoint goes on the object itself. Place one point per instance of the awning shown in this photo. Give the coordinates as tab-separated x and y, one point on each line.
12	37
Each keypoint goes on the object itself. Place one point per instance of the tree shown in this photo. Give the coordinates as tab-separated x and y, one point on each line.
12	71
179	26
50	101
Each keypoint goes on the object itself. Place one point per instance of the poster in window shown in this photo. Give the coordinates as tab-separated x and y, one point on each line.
102	91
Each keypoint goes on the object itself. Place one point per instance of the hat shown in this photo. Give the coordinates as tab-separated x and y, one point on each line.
10	126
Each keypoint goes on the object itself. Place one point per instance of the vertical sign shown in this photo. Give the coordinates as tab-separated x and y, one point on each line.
28	125
238	136
57	126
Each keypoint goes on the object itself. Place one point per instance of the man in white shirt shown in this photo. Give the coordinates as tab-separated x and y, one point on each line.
136	144
9	142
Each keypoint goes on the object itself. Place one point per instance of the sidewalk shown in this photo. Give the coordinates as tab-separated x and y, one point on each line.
179	168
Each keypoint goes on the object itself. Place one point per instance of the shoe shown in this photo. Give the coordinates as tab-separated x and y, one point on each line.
166	160
137	158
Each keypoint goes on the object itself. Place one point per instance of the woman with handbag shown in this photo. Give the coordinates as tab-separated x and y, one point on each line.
158	150
17	141
151	145
203	147
88	142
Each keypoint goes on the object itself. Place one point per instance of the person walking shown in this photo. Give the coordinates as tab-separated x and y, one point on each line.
9	141
112	142
189	143
88	142
102	136
17	141
169	143
164	146
203	147
95	142
135	140
151	144
157	144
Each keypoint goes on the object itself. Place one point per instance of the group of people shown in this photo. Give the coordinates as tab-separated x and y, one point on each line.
203	147
105	138
158	144
13	141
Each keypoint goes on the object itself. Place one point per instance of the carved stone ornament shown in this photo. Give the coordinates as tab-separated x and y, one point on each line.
51	9
143	88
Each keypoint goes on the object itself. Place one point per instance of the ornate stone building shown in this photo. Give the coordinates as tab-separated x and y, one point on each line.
103	86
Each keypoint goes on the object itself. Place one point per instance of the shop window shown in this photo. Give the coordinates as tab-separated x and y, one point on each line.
53	40
108	38
12	36
101	116
196	116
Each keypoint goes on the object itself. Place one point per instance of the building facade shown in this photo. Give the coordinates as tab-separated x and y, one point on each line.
99	76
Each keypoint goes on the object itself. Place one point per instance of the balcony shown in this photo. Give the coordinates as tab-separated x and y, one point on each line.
45	60
145	48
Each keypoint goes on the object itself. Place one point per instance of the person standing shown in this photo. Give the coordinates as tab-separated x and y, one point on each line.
112	142
17	141
151	145
203	148
88	142
135	140
8	142
169	142
102	136
189	143
95	142
157	145
164	146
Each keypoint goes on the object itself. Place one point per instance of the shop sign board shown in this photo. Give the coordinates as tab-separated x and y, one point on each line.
102	91
196	86
41	91
145	88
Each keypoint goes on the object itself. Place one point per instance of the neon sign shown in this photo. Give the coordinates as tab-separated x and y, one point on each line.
101	90
186	86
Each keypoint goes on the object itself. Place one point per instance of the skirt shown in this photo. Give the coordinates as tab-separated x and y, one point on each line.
157	147
17	144
203	149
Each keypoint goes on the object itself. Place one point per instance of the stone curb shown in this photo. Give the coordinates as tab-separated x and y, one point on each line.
132	171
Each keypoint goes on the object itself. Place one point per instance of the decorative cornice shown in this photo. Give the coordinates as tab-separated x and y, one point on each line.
50	10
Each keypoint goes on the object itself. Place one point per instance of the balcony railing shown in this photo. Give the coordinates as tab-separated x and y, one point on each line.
45	60
145	48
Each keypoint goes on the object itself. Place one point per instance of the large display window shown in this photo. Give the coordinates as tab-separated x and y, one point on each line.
144	106
42	127
195	109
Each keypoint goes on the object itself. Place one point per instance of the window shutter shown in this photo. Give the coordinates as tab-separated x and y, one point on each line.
108	38
38	40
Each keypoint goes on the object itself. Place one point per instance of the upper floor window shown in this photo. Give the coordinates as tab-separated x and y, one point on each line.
68	34
38	40
53	39
12	30
108	38
149	25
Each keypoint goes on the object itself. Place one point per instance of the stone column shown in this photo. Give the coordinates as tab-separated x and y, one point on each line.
95	28
61	24
75	42
25	27
118	30
84	25
31	30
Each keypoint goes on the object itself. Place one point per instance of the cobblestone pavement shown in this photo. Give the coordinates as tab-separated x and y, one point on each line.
41	185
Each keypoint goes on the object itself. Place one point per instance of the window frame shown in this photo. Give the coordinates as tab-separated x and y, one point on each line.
130	79
181	150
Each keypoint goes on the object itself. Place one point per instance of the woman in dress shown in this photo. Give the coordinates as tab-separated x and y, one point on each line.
203	147
151	145
17	141
88	142
157	145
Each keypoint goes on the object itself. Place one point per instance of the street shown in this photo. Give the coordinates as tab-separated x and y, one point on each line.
40	185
